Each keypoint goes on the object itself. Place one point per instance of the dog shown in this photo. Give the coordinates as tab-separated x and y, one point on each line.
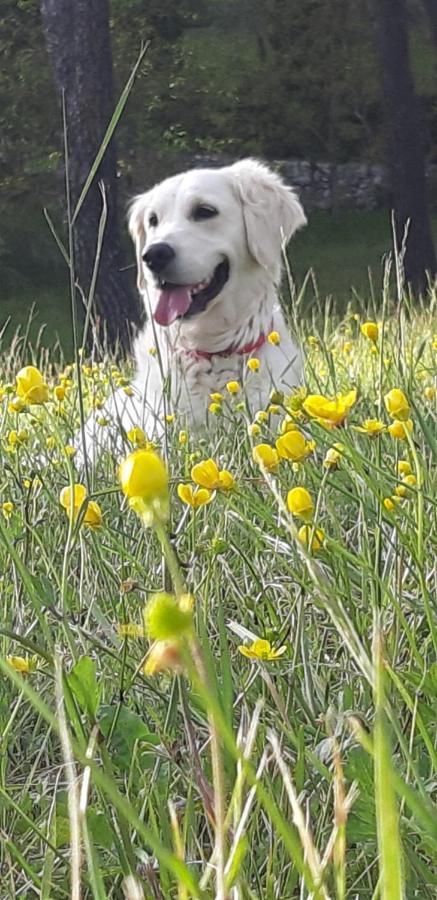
208	248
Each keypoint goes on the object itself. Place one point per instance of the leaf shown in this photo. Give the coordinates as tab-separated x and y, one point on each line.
100	829
129	728
82	681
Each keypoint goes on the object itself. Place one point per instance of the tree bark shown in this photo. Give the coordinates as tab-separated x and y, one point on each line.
431	9
78	38
406	156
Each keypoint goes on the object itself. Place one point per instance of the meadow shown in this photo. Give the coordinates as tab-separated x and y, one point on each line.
218	663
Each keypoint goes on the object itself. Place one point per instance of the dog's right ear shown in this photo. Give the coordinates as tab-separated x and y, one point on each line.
137	228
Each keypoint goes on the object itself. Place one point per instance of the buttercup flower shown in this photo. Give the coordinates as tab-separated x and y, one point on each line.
183	437
261	649
253	364
23	664
207	475
194	498
403	467
143	475
254	429
17	404
8	508
59	392
137	437
216	397
371	427
399	429
233	387
274	338
266	457
333	456
430	393
370	330
167	618
261	416
293	445
313	542
389	503
31	387
300	503
397	405
73	501
330	412
215	408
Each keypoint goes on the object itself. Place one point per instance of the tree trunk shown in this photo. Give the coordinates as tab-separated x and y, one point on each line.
78	38
404	144
431	9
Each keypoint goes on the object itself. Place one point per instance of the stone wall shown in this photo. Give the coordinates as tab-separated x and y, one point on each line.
320	185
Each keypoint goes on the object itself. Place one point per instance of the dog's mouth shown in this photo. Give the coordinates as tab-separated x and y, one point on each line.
182	301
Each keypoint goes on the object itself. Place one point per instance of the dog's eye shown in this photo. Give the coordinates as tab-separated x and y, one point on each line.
202	212
153	220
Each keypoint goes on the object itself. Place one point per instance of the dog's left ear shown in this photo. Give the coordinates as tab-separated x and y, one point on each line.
137	228
271	210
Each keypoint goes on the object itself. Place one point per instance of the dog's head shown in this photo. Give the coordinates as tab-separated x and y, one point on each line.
201	235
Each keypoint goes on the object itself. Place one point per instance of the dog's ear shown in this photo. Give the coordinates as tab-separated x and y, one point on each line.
137	228
271	210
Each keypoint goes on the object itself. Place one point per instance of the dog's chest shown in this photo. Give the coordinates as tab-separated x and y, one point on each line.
198	379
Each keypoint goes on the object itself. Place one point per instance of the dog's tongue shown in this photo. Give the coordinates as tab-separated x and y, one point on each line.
172	302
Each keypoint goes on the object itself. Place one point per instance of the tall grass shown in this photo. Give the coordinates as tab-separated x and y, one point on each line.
323	783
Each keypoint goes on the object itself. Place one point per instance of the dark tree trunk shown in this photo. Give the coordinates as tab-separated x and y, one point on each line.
431	9
405	147
78	38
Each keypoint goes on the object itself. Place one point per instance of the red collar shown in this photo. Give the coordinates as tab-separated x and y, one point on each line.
230	351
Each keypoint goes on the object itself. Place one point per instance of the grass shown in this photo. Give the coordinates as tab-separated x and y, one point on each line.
339	249
311	774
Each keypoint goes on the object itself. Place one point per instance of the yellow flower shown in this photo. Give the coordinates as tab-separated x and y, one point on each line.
333	456
17	405
170	417
166	618
403	467
313	543
163	655
143	475
330	412
93	515
400	490
31	387
23	664
399	430
233	387
274	409
389	503
266	457
371	427
215	408
216	397
293	445
51	442
59	392
137	437
72	502
70	451
8	508
261	649
73	499
254	429
253	364
261	416
397	405
274	338
410	480
129	391
370	330
130	629
195	498
208	475
152	351
183	437
430	393
300	503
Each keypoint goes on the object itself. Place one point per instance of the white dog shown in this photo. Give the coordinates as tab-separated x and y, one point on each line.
208	247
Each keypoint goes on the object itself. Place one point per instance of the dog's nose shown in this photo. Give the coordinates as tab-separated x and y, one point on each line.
158	256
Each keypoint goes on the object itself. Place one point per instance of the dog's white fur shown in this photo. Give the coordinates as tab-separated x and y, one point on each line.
257	215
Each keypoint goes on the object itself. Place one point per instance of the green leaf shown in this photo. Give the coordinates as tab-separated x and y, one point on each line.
128	728
82	681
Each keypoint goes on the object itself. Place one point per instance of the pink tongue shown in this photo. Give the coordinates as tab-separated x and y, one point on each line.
172	303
